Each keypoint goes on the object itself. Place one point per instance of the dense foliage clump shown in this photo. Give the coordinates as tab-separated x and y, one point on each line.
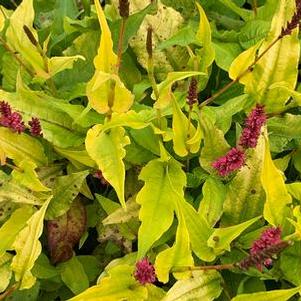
150	150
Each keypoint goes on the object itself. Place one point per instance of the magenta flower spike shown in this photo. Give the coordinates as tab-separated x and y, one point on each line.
253	124
145	272
264	248
229	163
35	127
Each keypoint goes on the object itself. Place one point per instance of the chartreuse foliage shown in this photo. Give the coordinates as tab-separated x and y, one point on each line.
109	127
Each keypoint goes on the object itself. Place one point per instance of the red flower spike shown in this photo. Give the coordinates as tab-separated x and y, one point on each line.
35	127
253	124
145	272
5	109
231	162
16	123
263	249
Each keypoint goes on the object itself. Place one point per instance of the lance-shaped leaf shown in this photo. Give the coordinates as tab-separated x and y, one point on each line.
65	190
28	177
28	248
105	90
5	271
20	147
203	285
183	130
164	182
56	116
74	275
165	93
277	196
24	42
279	295
12	192
165	23
221	238
279	65
179	255
211	206
215	144
118	285
11	228
64	232
203	36
19	41
245	195
199	232
107	150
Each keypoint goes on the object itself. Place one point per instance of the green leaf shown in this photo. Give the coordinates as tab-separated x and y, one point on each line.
203	36
133	24
211	206
12	192
43	269
221	238
55	115
164	88
279	65
279	295
245	195
179	255
5	272
121	215
76	156
167	21
65	190
183	130
20	147
243	13
199	232
225	112
105	90
18	40
28	248
201	286
118	285
74	276
107	150
277	196
11	228
288	126
164	181
215	144
28	177
290	263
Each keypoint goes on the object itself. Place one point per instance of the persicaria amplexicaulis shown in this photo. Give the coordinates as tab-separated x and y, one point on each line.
252	129
35	127
145	272
192	96
10	119
264	249
236	157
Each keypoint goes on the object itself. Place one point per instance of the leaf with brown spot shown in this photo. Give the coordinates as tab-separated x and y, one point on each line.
64	232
